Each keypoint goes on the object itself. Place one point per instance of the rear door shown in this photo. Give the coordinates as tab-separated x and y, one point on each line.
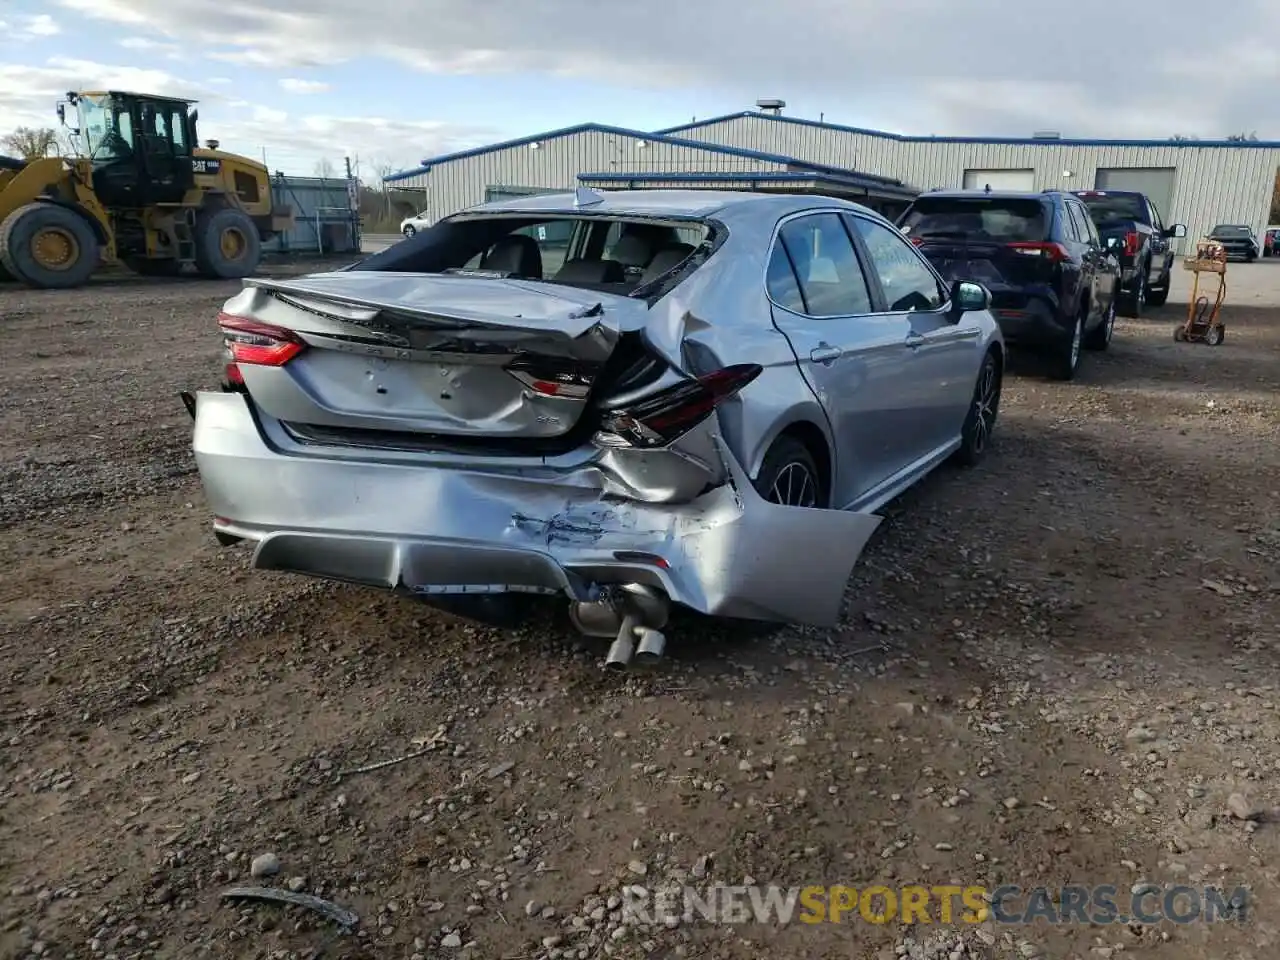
1079	241
943	360
1159	246
854	359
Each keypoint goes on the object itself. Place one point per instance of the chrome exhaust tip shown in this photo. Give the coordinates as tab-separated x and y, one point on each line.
652	645
623	647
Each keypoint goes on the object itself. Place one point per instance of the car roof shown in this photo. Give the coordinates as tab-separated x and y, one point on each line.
987	194
656	203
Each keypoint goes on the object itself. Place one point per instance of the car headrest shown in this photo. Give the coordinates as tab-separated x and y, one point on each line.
591	271
665	259
516	254
633	250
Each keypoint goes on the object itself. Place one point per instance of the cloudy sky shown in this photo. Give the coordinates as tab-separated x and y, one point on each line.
394	81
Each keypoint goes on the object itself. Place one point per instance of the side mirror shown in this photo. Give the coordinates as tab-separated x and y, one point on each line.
1177	231
967	295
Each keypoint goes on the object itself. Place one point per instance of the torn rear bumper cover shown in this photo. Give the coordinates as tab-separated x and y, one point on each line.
434	529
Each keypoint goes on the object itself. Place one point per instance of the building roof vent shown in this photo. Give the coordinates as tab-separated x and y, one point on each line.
770	105
1046	135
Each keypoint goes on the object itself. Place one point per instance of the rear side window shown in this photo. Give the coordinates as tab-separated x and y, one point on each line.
826	267
1078	217
1002	219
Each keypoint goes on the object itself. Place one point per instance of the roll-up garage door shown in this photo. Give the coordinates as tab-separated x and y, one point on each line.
1155	182
1024	180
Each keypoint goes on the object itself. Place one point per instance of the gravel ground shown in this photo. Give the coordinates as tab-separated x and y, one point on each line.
1059	667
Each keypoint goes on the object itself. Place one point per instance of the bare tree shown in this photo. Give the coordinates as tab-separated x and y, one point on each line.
383	168
324	168
1249	137
31	143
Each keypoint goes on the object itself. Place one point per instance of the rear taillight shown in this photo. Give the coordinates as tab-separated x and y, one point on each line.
258	344
1053	252
917	241
1131	243
552	377
669	414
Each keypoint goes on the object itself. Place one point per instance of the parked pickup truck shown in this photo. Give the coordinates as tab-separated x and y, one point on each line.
1130	226
1239	241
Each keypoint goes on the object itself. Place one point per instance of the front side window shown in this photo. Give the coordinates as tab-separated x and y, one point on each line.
826	266
907	283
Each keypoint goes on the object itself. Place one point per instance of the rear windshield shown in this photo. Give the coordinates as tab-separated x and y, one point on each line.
1114	207
615	254
1230	230
978	218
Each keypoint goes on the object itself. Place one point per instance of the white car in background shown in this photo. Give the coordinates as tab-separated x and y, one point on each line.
411	225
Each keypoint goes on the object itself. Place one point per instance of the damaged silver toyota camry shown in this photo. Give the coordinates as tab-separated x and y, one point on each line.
633	400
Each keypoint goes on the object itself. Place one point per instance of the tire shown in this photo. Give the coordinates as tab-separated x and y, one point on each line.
1215	335
783	470
980	421
1066	362
48	247
227	244
1135	301
5	276
409	231
1179	333
1158	296
144	267
1099	338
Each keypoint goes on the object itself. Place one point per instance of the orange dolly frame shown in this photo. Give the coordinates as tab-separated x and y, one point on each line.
1204	323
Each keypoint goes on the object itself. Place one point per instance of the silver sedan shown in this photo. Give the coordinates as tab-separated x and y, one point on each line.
632	400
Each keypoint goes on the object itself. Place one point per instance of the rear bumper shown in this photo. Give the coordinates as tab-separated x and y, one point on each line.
438	530
1036	324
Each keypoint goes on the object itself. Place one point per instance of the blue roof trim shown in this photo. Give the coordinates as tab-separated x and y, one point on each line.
997	141
846	179
632	134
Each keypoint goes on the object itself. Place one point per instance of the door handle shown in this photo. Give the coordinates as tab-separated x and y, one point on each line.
825	353
915	340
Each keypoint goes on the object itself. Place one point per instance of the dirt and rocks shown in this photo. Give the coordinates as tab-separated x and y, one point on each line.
1059	668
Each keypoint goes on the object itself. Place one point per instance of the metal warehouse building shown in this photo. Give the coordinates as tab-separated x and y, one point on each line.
1198	182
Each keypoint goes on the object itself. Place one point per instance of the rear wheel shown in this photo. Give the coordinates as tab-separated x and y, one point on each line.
1157	296
789	476
1215	335
48	247
1136	300
227	244
1067	361
1100	336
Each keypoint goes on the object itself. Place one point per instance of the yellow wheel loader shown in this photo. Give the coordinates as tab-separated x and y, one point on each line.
144	194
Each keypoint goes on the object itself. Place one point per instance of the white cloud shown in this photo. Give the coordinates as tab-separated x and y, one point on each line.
293	143
914	65
294	85
34	27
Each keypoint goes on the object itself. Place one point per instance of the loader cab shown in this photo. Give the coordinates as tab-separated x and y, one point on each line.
141	146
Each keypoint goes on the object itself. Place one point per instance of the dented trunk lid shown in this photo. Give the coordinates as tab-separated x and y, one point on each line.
451	355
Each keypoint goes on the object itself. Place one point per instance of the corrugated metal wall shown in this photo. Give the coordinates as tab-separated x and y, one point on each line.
556	163
325	218
1212	185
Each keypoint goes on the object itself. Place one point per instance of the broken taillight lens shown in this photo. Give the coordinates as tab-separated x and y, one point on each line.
553	377
669	414
255	343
